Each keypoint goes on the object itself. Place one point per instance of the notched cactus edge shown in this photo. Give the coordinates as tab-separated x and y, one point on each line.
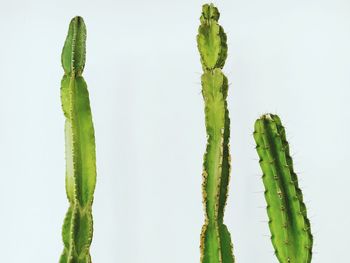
80	148
289	226
216	245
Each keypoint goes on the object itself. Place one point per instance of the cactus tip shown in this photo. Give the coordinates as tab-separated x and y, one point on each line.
209	11
73	53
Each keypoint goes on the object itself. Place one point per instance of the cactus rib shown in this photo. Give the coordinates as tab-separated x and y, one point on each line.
80	148
289	226
216	245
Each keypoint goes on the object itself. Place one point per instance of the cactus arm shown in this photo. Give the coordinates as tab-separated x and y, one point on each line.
288	222
80	148
216	245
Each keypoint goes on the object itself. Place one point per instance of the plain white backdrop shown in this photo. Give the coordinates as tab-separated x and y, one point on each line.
143	72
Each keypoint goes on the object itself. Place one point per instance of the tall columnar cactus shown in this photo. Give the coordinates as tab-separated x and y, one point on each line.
80	148
216	245
288	222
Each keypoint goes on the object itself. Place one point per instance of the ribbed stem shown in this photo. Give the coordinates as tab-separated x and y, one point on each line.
216	245
290	228
80	148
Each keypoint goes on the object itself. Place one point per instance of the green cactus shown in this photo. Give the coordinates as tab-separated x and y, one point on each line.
80	148
290	228
216	245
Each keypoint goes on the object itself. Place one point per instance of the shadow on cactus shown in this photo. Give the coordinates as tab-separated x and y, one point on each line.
289	226
80	148
216	245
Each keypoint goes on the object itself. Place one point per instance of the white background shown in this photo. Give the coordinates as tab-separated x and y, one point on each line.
143	73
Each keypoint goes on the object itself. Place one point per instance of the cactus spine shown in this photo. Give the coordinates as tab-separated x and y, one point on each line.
216	245
80	148
288	222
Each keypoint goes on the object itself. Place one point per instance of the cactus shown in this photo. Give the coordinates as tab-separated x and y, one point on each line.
216	245
289	226
80	148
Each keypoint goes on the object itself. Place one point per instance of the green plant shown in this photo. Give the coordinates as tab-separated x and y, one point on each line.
216	245
80	148
289	226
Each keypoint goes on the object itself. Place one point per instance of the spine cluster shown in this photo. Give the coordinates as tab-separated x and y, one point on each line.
216	245
80	148
289	226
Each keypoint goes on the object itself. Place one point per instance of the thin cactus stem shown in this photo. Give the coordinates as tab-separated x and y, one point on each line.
289	226
80	148
216	245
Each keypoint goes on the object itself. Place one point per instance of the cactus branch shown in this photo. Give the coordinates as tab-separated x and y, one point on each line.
80	148
290	228
216	245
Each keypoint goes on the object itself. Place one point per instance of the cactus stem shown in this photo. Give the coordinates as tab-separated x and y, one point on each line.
288	222
216	245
